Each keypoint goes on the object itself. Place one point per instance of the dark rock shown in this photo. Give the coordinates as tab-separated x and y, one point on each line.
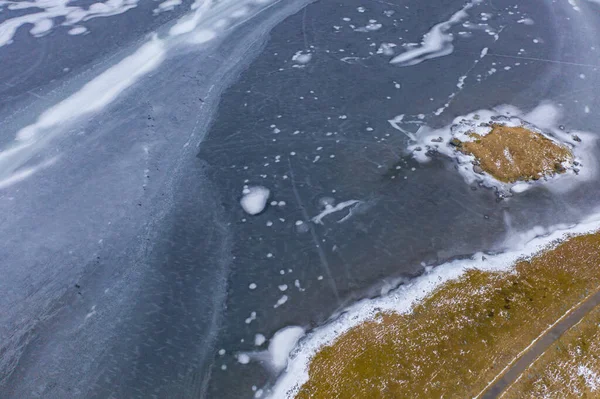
456	142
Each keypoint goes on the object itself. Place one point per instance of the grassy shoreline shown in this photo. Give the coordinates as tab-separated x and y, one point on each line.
460	336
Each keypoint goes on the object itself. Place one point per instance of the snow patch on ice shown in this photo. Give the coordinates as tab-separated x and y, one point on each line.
259	339
302	57
281	301
255	199
329	209
369	27
243	358
281	345
436	43
167	5
43	14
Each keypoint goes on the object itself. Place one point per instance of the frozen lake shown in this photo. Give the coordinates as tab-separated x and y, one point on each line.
132	128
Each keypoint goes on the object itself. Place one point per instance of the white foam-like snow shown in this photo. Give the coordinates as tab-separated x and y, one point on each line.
544	117
302	57
255	200
77	30
202	36
386	49
167	5
402	299
243	358
329	209
259	339
436	43
369	28
45	14
281	344
281	301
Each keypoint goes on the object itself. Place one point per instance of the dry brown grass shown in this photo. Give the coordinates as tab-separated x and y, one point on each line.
570	368
456	340
516	153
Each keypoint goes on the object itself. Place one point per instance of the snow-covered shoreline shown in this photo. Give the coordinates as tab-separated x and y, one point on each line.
402	299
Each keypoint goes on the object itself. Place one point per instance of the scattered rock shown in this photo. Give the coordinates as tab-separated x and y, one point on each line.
456	142
438	140
576	138
477	169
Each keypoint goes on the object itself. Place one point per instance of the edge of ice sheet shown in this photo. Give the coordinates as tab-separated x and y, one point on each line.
192	29
436	43
545	117
402	299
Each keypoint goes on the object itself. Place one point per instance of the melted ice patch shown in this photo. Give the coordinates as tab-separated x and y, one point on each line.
436	43
402	300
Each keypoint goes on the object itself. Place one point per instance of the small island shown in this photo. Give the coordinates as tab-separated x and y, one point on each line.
515	153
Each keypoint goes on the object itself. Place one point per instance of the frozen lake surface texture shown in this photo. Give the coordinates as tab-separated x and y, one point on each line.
187	189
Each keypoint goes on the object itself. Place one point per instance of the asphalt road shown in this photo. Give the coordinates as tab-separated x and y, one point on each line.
541	345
